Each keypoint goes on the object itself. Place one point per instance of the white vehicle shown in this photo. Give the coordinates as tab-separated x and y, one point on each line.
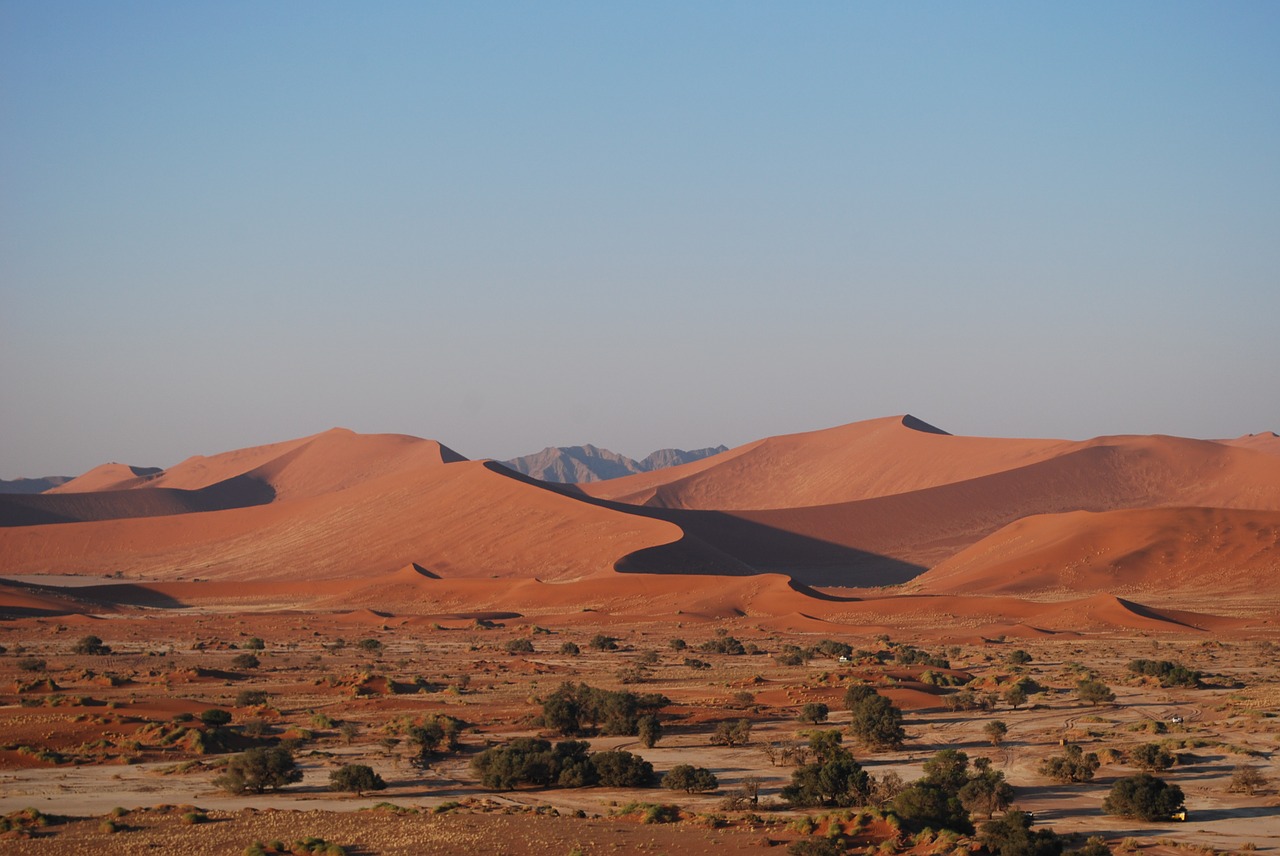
1175	719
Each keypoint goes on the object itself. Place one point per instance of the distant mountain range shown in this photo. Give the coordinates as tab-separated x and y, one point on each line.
578	464
39	485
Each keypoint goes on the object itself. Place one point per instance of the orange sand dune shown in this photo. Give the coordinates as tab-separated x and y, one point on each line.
24	600
458	519
861	460
33	509
890	539
1214	550
1267	441
107	477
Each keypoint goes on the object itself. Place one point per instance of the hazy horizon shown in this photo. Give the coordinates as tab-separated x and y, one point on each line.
638	226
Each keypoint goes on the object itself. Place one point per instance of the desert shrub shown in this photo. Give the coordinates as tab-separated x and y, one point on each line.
255	643
908	655
1143	797
690	779
601	642
1018	657
91	645
518	646
995	730
791	655
32	664
1075	765
876	722
256	770
215	717
814	713
251	698
1169	674
649	730
1094	692
833	648
649	658
245	661
370	645
568	764
575	709
1096	845
732	733
356	779
970	700
1247	779
1151	757
571	649
815	847
695	663
1011	835
678	644
722	645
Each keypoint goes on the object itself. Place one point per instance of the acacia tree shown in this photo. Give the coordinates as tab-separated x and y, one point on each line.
995	731
1094	692
1143	797
877	723
256	770
690	779
356	779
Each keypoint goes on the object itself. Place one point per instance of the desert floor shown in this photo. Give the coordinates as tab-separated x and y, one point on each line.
84	734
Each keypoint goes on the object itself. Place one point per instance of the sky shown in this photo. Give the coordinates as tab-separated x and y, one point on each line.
512	225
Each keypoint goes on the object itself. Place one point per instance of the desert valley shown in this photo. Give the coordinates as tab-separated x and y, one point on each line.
877	637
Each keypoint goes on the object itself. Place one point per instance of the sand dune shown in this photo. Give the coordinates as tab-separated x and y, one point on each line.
862	460
111	476
1266	441
390	513
458	519
1213	550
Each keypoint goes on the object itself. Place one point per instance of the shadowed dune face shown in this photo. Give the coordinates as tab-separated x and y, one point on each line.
1223	551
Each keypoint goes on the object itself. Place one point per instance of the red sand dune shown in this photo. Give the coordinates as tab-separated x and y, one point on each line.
861	460
1267	441
1213	550
868	503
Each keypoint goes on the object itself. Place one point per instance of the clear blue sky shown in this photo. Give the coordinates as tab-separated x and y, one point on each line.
506	226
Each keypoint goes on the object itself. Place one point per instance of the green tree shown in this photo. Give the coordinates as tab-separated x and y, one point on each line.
876	723
1094	692
986	792
256	770
995	731
948	769
356	779
1011	835
1073	766
621	769
838	780
814	712
649	730
1144	797
1016	696
1151	757
923	804
732	733
690	779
